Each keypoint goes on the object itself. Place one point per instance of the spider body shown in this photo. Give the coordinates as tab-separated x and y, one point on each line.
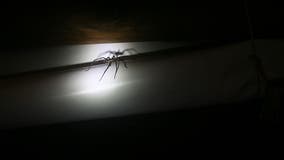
113	57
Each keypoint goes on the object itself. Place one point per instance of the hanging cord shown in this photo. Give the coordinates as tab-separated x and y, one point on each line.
261	76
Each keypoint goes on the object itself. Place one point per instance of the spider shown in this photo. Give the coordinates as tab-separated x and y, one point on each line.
114	56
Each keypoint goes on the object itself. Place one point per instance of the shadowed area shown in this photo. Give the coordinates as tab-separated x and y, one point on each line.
206	74
95	22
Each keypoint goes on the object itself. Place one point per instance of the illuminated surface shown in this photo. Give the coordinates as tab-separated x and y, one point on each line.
186	80
70	55
88	82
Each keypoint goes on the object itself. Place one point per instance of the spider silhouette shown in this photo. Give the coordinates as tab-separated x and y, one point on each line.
113	57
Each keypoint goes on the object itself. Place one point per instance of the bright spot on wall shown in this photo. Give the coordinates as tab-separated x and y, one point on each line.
86	83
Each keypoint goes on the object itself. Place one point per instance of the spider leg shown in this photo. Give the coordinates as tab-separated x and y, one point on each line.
125	64
117	67
115	58
109	64
123	61
95	60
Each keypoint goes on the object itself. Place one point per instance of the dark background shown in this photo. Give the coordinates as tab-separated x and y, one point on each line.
27	25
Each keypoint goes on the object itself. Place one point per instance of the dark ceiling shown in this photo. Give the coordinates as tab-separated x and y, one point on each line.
96	22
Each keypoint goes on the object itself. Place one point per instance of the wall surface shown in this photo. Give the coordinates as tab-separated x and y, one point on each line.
185	79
